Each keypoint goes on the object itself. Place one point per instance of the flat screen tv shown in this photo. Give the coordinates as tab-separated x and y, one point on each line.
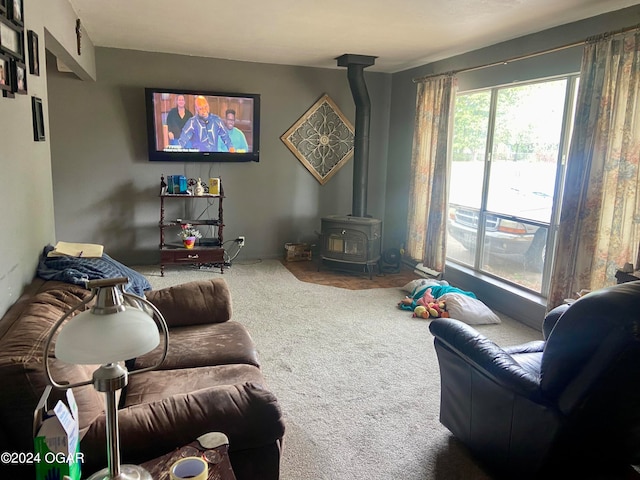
200	126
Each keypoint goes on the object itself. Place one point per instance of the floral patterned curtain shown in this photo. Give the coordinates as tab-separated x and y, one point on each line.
599	223
428	193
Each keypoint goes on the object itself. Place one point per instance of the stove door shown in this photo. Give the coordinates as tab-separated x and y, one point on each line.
345	244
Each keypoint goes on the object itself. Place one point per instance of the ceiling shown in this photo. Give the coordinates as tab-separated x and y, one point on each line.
401	33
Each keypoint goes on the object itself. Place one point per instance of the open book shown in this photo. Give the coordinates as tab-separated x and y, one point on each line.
86	250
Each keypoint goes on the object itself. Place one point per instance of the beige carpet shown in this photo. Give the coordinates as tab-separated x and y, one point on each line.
356	377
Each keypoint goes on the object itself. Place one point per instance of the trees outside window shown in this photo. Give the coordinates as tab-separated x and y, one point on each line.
507	166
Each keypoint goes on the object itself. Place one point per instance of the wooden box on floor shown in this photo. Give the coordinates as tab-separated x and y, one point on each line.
296	252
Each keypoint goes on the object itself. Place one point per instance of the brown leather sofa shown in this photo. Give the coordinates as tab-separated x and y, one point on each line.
210	381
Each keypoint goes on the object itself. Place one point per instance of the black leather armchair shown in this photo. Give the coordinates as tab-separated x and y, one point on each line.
548	408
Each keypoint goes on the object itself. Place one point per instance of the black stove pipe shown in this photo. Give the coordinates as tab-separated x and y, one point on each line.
355	73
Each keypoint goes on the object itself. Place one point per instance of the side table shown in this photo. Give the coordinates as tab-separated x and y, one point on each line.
159	467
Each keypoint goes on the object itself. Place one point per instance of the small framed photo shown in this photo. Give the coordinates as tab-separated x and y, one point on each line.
6	83
34	52
19	77
15	11
214	186
11	39
38	119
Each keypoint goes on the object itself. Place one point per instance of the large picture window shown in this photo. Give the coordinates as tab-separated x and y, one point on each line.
507	166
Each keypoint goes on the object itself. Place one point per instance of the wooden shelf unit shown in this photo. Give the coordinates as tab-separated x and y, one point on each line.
200	254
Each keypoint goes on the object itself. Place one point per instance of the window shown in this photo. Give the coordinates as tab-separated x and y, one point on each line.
507	168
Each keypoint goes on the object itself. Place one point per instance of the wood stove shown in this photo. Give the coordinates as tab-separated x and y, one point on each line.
351	240
355	239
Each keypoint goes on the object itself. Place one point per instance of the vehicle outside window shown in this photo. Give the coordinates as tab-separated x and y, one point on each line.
507	150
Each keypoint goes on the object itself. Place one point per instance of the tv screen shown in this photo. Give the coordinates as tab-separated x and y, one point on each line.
199	126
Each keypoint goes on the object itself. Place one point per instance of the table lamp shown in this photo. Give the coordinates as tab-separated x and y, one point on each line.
108	333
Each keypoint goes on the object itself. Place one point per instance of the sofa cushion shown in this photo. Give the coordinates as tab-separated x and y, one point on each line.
204	345
156	385
193	303
246	412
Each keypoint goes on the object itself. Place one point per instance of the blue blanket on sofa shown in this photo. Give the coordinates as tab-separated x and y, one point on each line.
79	270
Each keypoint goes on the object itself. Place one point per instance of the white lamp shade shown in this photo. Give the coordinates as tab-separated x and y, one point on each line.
97	339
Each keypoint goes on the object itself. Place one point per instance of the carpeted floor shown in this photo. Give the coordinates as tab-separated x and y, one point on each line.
357	379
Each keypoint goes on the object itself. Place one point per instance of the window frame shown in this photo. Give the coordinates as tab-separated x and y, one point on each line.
571	87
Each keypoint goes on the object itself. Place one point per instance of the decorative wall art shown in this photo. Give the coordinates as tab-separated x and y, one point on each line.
322	139
10	39
15	11
5	74
34	52
19	71
79	36
38	119
13	72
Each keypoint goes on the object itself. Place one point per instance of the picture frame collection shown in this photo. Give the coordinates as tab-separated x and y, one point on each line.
13	56
13	60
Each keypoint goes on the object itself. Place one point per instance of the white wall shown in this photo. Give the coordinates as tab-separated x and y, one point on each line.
26	196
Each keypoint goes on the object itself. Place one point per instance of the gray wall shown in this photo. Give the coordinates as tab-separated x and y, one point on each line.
105	189
26	195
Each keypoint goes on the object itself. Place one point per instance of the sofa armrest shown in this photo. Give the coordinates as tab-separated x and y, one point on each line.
193	303
535	346
552	318
247	413
477	350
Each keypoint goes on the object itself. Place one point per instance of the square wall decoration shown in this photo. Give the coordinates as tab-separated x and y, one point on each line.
322	139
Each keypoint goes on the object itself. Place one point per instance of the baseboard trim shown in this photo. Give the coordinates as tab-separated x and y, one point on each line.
421	270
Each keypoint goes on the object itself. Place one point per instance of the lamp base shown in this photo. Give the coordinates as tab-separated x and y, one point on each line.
127	472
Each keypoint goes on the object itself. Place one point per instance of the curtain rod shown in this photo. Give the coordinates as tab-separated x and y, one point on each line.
524	57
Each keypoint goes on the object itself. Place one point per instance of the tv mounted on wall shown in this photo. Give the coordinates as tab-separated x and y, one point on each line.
201	133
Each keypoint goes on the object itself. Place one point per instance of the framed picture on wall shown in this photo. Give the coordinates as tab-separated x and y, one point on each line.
6	84
15	11
3	8
34	52
19	77
11	39
38	119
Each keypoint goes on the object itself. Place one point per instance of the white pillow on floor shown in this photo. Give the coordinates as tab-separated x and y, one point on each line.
468	310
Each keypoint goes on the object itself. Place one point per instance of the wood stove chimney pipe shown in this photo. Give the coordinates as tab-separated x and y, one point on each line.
355	73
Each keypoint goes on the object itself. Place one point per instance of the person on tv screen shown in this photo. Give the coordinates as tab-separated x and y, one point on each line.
176	118
237	136
201	132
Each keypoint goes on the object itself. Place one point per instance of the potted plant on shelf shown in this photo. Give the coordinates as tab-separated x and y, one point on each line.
188	233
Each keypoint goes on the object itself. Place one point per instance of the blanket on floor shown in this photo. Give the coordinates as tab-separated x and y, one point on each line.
79	270
436	290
